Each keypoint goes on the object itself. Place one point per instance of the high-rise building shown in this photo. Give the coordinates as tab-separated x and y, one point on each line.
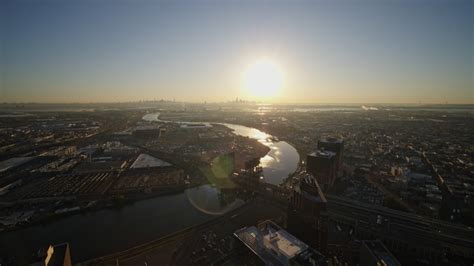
335	145
322	165
271	245
306	217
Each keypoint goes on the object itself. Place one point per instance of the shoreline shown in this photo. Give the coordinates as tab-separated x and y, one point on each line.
103	204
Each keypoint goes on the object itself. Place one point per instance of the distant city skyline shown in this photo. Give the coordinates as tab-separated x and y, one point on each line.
194	51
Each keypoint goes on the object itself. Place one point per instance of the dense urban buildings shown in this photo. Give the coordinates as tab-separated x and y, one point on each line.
236	133
344	187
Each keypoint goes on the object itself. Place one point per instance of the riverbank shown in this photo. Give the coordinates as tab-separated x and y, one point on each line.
110	229
99	204
105	231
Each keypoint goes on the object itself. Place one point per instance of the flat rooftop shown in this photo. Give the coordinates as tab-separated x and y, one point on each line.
331	140
322	154
285	243
275	246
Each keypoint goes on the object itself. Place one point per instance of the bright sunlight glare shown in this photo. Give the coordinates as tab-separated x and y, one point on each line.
263	79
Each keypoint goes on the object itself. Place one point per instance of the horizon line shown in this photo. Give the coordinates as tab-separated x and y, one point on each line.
243	102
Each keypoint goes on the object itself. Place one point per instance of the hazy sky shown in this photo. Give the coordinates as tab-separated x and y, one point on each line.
329	51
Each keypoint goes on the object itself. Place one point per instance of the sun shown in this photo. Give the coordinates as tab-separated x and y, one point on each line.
263	79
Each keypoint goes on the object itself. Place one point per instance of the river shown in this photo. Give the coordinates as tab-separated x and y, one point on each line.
278	163
111	230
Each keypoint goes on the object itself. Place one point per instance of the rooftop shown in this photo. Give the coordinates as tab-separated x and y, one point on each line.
146	161
275	246
309	187
284	243
323	153
332	140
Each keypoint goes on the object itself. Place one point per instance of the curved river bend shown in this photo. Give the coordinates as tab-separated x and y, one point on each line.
280	161
111	230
